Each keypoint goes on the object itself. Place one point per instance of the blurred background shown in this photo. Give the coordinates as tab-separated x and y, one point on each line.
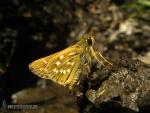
33	29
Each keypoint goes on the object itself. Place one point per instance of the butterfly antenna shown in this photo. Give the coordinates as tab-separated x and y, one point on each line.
91	31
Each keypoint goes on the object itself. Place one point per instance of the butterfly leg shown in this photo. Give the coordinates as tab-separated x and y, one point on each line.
100	56
86	70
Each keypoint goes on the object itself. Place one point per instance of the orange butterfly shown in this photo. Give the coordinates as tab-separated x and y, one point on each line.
65	67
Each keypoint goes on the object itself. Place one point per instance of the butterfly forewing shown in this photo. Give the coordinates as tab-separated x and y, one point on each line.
61	67
68	74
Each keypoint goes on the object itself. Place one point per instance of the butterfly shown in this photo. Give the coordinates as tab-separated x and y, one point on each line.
66	67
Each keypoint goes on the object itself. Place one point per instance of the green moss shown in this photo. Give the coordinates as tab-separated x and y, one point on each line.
138	7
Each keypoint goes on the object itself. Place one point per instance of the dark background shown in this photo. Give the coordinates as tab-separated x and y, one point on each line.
32	29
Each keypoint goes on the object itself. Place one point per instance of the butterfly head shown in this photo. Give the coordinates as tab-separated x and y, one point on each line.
88	40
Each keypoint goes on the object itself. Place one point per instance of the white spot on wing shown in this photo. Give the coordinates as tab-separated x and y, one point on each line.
68	70
69	63
61	71
57	63
55	70
61	57
71	54
72	63
64	72
41	69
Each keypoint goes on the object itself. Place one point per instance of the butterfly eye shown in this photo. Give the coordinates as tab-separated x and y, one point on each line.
89	42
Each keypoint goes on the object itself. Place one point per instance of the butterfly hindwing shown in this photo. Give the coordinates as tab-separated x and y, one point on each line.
61	67
68	74
75	73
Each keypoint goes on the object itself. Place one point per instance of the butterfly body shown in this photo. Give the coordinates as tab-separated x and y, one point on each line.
65	67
